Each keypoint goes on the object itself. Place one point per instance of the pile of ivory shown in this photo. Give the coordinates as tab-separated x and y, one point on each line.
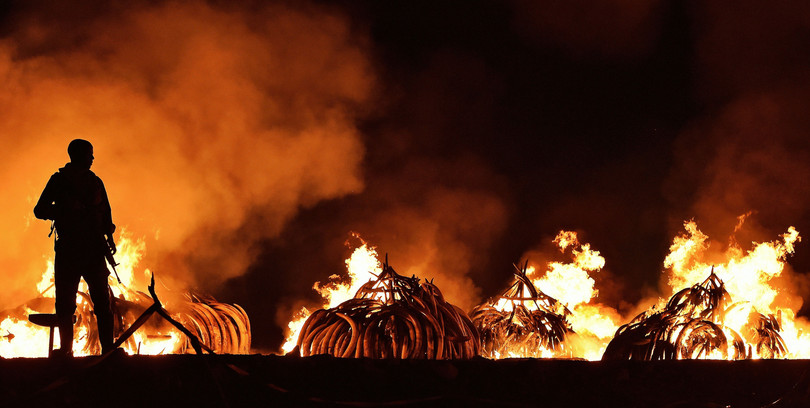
220	327
691	326
391	317
522	322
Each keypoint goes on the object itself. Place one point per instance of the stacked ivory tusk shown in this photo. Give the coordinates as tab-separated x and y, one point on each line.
692	326
523	322
391	317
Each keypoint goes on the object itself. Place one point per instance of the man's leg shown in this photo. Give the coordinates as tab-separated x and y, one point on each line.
66	282
100	294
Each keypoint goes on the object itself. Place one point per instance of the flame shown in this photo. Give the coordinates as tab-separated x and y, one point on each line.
572	285
564	289
362	266
748	276
21	338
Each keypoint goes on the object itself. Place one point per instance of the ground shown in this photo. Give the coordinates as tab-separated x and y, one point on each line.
268	380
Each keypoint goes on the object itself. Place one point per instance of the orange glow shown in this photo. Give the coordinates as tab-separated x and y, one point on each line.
196	126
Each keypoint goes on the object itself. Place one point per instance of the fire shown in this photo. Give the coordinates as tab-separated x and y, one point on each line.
748	276
391	316
571	284
25	339
523	322
396	316
21	338
550	314
724	303
734	313
362	266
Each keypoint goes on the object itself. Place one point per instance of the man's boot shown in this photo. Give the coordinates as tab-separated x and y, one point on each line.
65	337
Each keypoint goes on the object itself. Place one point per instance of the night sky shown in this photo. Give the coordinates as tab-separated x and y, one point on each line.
483	128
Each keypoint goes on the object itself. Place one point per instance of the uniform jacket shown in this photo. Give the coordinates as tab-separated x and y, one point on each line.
76	200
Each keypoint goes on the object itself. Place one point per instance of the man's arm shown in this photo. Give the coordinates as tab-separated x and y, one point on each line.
46	208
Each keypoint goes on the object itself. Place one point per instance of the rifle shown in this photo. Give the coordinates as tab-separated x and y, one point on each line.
108	254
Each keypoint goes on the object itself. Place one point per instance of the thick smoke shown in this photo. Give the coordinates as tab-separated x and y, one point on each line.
212	127
438	220
749	151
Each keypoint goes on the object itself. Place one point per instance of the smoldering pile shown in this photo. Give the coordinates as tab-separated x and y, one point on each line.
523	321
692	325
391	316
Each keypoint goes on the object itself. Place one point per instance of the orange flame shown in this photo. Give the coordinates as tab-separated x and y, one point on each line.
362	266
748	276
21	338
571	284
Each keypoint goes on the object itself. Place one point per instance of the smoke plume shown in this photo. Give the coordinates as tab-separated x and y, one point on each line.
749	151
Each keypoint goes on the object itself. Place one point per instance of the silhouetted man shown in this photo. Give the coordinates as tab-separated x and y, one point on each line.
75	199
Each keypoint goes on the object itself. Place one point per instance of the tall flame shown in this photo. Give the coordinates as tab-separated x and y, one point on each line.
572	285
748	275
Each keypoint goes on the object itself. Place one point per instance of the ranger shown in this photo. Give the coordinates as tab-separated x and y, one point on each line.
76	201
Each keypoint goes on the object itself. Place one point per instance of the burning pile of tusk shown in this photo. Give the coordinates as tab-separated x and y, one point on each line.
391	317
522	322
692	325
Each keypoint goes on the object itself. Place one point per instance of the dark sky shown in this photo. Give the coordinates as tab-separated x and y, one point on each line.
568	131
490	126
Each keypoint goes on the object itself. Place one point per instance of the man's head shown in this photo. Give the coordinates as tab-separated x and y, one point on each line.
81	153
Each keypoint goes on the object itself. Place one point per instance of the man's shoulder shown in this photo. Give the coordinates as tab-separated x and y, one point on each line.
95	177
56	177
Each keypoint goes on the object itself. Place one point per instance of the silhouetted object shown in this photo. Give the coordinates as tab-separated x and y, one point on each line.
48	320
76	201
157	307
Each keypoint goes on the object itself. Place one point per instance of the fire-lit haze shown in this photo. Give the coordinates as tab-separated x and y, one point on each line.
243	141
211	127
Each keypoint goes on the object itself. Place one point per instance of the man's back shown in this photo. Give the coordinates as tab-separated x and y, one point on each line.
77	201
